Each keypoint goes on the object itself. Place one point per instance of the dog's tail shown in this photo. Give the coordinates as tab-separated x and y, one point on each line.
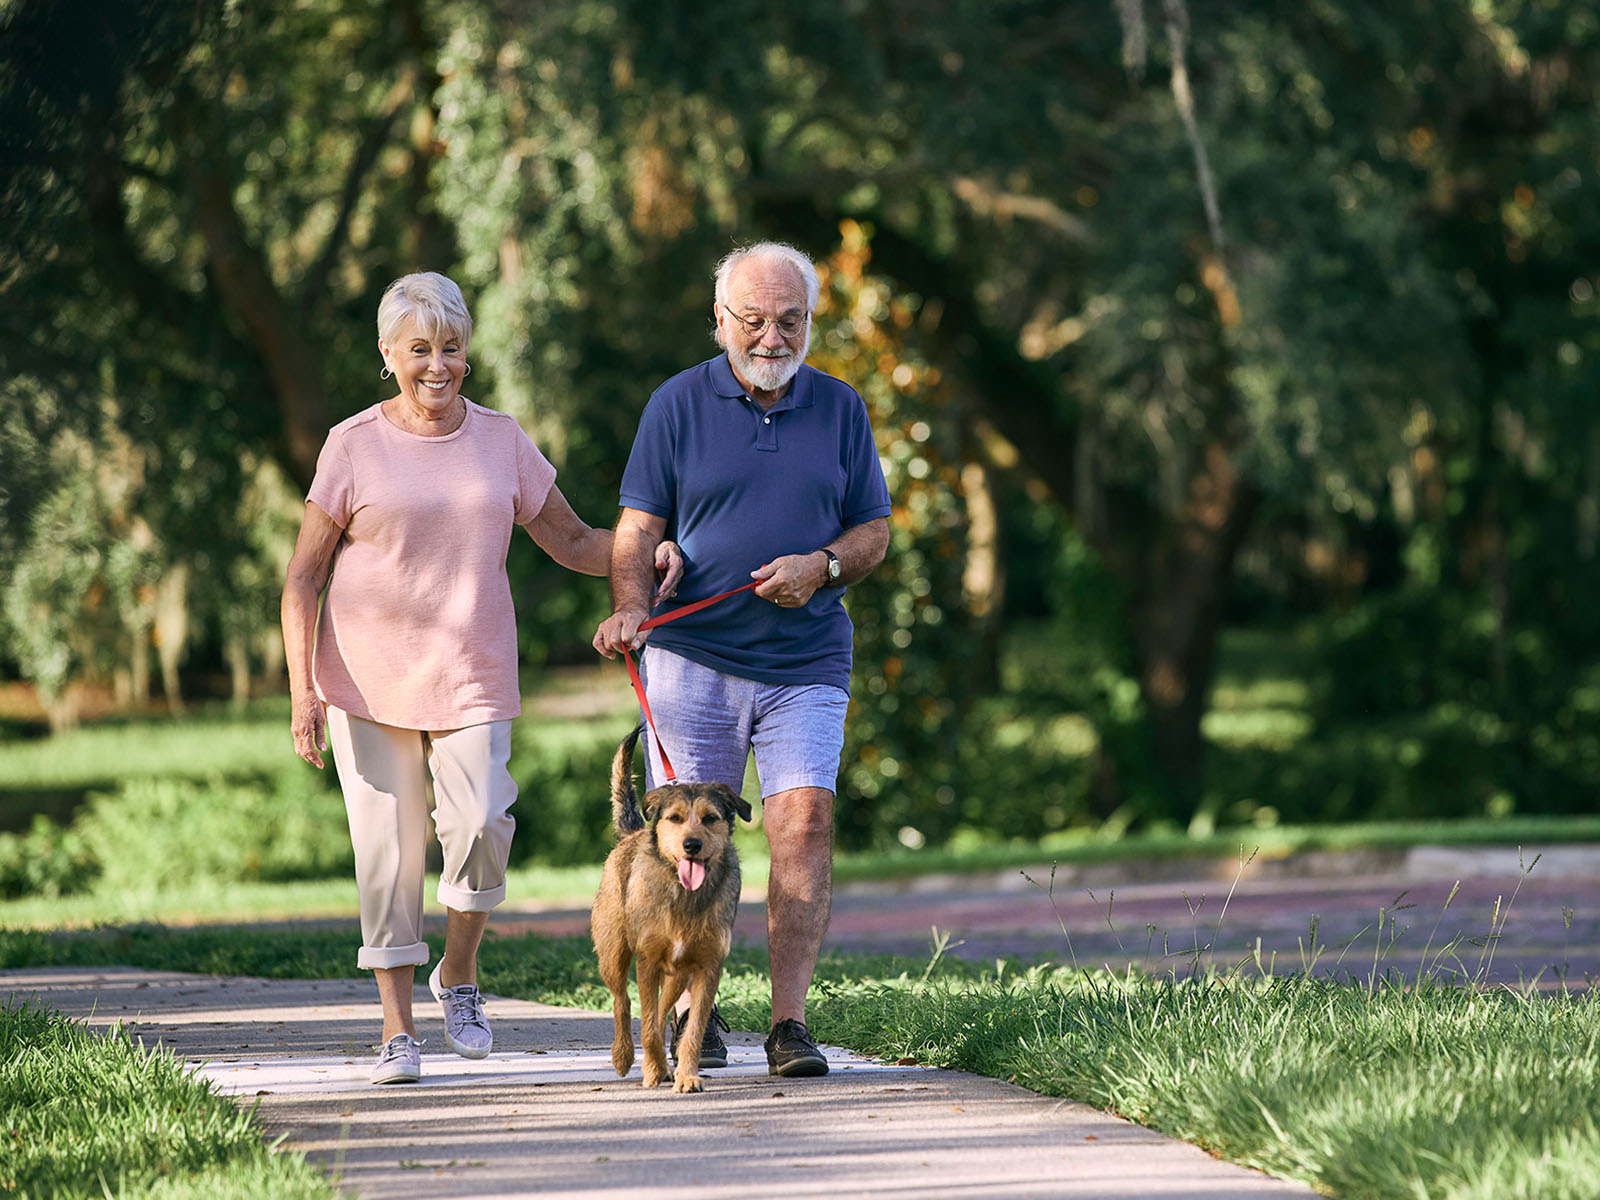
625	814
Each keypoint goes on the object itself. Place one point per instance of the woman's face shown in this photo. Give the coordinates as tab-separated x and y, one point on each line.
428	372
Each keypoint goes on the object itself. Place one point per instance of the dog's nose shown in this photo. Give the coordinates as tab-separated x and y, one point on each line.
692	845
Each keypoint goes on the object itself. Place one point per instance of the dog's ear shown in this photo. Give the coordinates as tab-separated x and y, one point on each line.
731	803
652	805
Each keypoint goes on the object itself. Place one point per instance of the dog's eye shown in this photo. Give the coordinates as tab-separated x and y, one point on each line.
675	817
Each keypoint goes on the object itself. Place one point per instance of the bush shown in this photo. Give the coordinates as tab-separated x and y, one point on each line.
153	833
563	809
46	861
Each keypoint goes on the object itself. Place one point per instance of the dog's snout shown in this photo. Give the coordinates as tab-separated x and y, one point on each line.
691	845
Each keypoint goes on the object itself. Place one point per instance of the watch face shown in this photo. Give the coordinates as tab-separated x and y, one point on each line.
833	567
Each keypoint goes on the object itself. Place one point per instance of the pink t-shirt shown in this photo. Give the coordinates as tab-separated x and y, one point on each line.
417	628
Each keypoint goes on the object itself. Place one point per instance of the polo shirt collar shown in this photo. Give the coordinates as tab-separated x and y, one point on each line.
726	383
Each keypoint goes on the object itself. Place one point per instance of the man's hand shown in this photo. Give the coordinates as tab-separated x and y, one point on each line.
621	628
789	581
620	631
670	567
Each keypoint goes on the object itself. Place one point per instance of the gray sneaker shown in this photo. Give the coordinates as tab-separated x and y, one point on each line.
399	1060
466	1030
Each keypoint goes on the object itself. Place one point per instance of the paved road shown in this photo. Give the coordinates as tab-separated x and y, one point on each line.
1504	924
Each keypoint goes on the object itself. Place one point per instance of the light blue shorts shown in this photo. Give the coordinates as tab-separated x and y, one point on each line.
709	723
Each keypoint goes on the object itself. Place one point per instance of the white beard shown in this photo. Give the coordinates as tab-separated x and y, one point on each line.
770	374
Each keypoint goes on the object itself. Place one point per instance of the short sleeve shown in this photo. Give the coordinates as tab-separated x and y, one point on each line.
333	488
866	494
650	480
535	477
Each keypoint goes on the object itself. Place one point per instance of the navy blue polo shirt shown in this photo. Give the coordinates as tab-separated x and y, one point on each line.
740	487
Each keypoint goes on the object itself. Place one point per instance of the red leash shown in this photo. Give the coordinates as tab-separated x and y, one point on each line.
669	775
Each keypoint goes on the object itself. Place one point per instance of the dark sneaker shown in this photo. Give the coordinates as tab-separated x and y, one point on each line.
790	1051
713	1050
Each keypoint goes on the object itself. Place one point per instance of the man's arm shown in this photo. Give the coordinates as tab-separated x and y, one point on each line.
633	557
790	581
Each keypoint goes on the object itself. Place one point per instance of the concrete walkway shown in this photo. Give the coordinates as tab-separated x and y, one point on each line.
545	1114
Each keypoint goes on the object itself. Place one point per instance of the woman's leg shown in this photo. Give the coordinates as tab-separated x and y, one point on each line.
383	776
473	794
395	985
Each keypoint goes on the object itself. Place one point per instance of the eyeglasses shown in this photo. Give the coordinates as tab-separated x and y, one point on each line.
788	325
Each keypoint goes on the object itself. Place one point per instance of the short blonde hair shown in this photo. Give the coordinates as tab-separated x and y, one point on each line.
432	300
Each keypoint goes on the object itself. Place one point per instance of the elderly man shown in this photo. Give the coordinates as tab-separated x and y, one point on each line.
759	468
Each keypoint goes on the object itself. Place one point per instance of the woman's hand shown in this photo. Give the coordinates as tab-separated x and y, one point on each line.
670	567
309	724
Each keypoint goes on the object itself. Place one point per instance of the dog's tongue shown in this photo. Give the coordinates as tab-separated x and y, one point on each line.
691	873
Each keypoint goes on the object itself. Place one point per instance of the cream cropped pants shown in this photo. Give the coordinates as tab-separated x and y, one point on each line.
389	776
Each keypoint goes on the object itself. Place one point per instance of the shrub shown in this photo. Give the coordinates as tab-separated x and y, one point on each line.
153	833
48	860
563	812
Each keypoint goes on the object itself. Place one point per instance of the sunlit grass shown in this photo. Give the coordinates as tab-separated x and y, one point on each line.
88	1115
197	746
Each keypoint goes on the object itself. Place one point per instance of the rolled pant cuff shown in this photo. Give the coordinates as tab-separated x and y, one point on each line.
464	901
382	958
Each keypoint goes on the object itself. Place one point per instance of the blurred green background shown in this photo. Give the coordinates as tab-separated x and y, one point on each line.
1233	368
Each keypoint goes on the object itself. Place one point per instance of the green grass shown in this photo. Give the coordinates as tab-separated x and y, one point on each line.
1394	1092
1404	1089
84	1115
220	742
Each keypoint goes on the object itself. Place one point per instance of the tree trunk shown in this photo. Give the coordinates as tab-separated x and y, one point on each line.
1178	619
289	355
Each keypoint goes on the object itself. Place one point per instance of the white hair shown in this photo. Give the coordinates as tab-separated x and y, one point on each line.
770	252
432	300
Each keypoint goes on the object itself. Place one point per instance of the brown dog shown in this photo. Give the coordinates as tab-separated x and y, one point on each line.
667	898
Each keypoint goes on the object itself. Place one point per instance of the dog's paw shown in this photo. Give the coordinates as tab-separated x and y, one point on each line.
622	1056
688	1083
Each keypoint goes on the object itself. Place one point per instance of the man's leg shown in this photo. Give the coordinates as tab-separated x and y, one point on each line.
798	735
799	826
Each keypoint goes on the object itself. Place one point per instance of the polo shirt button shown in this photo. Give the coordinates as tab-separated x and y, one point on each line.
766	420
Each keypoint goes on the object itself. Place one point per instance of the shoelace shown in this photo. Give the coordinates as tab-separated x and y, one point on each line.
396	1046
466	1006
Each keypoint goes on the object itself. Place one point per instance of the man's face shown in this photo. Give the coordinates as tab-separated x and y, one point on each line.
769	291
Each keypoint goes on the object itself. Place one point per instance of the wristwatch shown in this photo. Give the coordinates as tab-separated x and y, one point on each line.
833	567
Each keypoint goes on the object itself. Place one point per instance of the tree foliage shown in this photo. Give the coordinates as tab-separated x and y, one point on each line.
1166	315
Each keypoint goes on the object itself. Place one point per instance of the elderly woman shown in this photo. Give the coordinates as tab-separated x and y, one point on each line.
411	671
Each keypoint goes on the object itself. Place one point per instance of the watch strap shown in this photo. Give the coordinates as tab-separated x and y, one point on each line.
834	568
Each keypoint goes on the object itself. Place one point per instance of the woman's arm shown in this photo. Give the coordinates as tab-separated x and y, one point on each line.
565	537
302	590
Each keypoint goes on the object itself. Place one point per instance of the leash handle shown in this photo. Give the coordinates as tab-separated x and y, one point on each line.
667	773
